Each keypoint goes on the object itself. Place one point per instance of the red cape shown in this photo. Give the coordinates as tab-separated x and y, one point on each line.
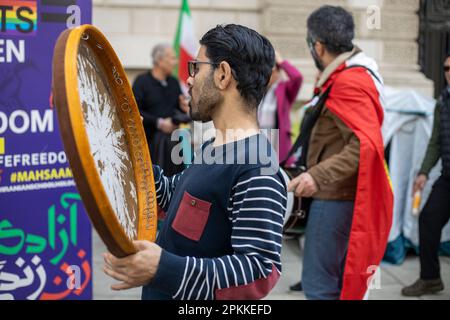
355	99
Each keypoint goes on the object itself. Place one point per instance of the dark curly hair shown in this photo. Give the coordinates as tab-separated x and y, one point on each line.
332	26
250	55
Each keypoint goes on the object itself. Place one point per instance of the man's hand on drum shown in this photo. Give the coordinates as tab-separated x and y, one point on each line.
135	270
303	185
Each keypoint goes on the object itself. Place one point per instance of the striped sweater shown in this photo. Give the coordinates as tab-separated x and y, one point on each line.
223	230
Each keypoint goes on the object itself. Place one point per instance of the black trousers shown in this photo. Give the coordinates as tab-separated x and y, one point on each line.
432	220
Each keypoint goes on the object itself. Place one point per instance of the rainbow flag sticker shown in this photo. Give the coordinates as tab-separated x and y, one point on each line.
18	18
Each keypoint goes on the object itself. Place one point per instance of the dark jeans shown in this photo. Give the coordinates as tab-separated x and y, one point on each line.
432	220
326	243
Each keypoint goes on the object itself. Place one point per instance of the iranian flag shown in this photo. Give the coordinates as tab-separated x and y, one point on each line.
186	45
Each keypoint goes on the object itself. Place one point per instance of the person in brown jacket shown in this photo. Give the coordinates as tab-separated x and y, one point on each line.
332	158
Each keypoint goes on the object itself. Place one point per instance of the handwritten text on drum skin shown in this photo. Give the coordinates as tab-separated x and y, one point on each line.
144	170
107	145
137	143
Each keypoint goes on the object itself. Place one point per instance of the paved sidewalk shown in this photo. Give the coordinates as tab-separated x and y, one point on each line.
393	278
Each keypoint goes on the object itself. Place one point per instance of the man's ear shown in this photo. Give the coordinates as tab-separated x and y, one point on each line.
223	76
320	49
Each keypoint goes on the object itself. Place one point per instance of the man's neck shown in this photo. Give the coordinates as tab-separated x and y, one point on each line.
158	74
332	65
232	125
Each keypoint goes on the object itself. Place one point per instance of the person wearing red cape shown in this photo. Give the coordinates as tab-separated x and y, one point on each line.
351	212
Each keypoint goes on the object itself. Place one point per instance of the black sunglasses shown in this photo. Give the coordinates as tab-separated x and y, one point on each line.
193	68
446	68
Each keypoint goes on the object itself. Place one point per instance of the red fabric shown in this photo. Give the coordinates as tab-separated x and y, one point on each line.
183	73
252	291
161	214
191	217
286	93
355	100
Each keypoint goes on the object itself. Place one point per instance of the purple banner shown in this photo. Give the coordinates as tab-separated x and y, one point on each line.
45	234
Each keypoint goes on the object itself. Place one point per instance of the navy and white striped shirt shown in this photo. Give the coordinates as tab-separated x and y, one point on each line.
222	235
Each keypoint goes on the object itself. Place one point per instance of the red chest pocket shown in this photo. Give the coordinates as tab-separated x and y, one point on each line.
191	217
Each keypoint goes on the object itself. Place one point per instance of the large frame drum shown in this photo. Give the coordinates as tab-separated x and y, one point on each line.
104	139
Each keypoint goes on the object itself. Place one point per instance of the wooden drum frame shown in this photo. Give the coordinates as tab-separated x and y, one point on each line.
104	139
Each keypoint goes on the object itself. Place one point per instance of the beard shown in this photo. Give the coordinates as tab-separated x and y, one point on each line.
317	62
209	98
312	50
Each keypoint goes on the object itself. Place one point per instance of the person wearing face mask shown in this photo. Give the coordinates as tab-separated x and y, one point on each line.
162	105
436	212
351	211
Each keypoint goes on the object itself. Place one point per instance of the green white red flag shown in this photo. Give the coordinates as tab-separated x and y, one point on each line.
186	45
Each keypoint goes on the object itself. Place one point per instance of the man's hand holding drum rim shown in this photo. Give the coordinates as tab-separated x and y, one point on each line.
135	270
303	186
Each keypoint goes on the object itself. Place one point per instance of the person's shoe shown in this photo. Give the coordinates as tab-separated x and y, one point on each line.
296	287
421	287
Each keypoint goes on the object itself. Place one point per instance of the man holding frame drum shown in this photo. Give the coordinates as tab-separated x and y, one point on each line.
223	232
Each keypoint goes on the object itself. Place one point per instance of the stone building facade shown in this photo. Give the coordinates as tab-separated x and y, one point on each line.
385	29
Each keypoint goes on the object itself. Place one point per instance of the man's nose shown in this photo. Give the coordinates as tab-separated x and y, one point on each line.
190	81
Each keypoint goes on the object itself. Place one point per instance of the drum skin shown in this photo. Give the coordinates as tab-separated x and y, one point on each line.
104	139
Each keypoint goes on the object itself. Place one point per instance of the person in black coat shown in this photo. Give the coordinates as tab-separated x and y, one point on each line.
163	107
